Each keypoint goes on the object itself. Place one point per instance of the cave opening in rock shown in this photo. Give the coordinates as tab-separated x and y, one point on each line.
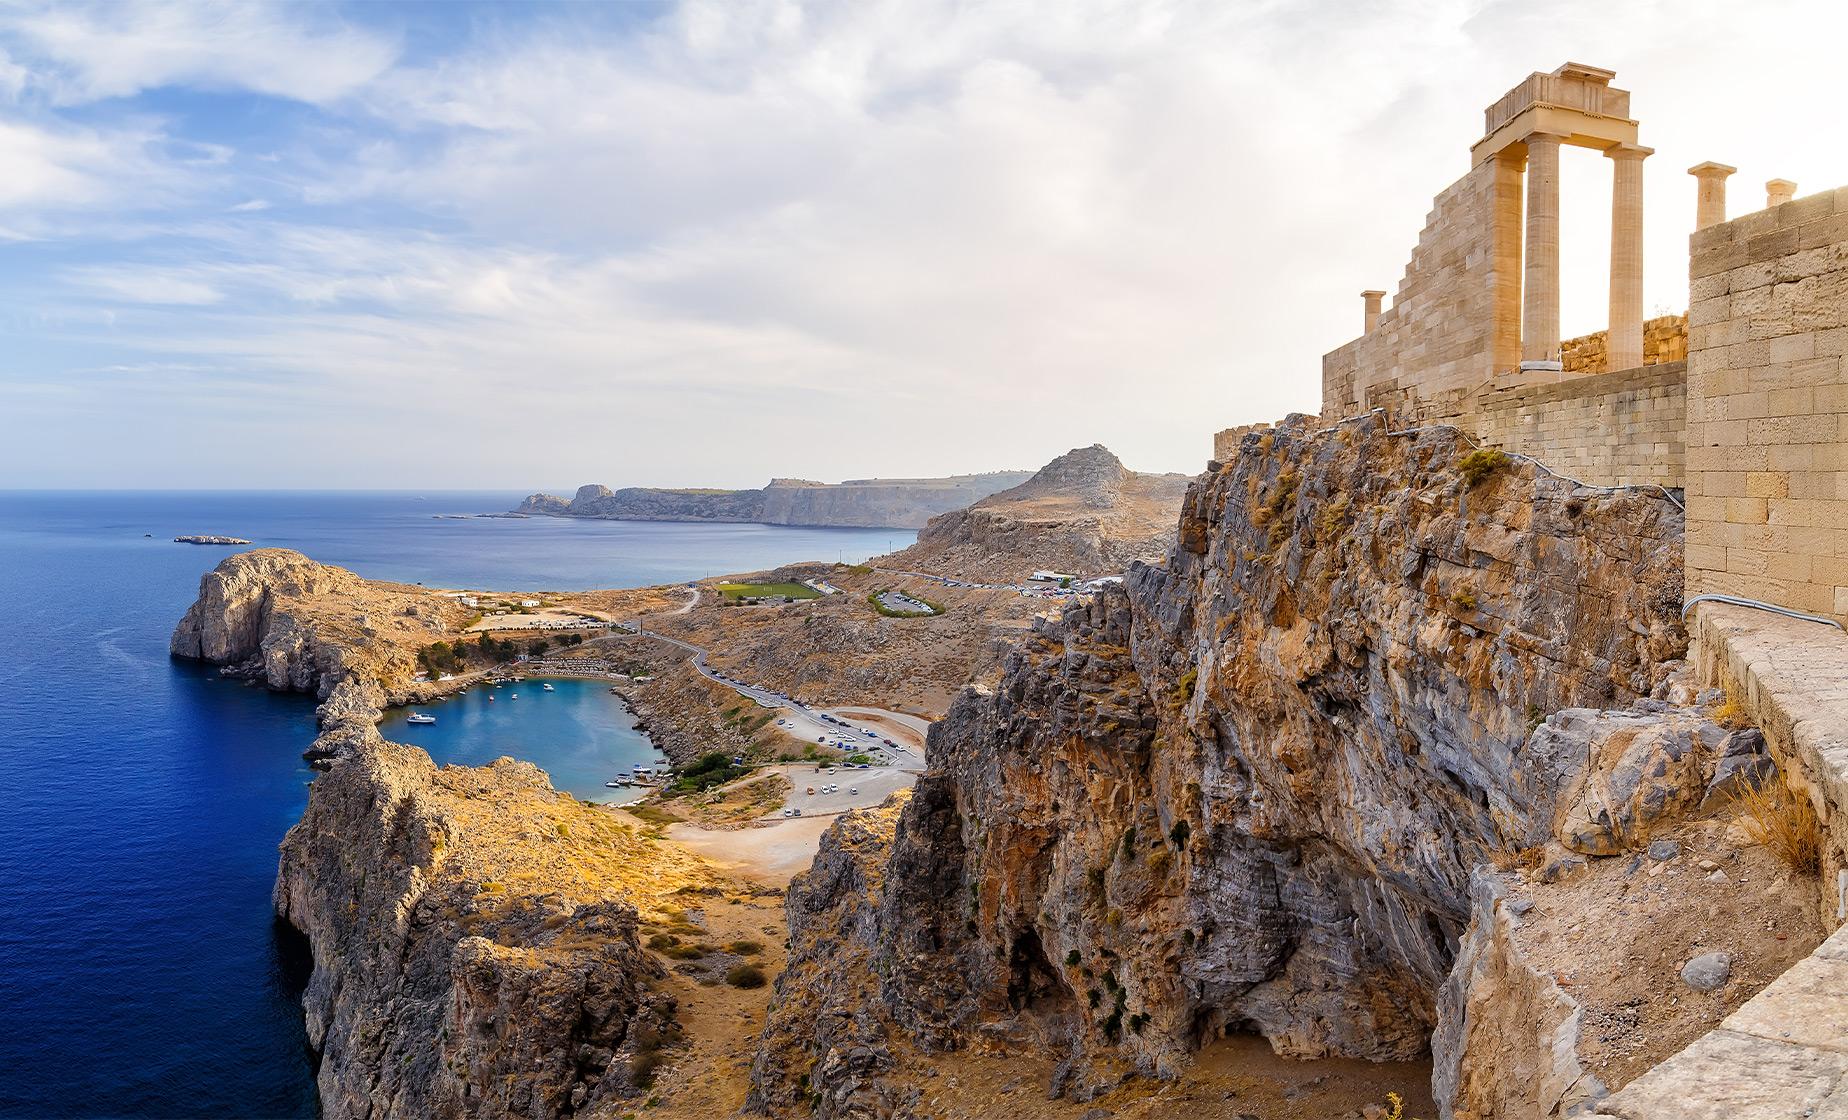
1032	982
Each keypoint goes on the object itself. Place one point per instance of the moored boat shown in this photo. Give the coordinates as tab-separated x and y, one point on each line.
419	717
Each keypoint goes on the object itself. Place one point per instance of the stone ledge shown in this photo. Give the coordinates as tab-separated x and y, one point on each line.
1784	1054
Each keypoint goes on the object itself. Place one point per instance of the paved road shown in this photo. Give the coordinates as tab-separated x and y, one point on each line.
802	721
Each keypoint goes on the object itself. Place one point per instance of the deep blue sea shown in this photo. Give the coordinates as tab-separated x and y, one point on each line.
141	973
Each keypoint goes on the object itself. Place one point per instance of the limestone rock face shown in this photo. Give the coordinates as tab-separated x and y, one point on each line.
900	503
441	992
1247	789
1084	513
237	621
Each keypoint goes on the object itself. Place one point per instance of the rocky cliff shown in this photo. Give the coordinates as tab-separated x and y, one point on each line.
1084	513
902	503
1247	791
474	938
474	932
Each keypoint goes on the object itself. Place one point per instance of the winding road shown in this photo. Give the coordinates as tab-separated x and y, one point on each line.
907	732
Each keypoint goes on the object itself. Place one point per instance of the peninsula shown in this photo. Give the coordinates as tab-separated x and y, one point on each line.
872	503
205	539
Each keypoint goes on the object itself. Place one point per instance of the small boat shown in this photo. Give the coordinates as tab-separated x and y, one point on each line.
547	688
490	699
513	696
419	717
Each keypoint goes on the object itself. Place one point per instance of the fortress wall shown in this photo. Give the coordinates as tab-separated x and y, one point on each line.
1665	339
1607	429
1767	446
1438	333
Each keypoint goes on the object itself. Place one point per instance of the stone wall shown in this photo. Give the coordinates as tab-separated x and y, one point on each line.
1767	458
1439	333
1607	429
1665	339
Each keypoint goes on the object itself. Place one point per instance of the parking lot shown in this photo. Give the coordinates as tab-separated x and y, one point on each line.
873	786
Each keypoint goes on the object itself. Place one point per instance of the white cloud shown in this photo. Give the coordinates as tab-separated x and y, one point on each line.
88	52
740	239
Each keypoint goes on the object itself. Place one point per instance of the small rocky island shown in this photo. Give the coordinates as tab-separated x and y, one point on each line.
198	538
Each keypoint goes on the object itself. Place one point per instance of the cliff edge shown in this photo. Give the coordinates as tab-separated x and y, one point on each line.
1247	790
1084	513
897	503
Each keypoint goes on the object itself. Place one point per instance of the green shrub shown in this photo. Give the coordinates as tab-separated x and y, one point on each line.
1477	466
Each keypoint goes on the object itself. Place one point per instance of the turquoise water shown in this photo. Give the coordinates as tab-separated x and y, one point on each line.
579	733
141	973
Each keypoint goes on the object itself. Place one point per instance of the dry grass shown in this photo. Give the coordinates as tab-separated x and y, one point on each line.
1731	714
1522	859
1784	822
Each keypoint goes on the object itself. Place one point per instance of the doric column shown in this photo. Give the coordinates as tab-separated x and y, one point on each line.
1505	274
1625	342
1540	295
1778	192
1710	204
1373	299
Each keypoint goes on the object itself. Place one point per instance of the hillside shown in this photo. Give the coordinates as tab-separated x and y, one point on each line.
874	503
1245	794
1084	513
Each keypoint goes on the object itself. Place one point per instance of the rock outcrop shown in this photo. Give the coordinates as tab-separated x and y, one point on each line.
474	932
1248	789
895	503
1083	513
474	939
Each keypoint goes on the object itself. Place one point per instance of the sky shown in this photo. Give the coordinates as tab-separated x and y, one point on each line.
528	246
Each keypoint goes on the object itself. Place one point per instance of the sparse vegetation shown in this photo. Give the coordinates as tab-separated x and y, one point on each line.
734	592
1463	598
714	768
745	948
1731	714
746	976
1481	464
1180	832
1784	822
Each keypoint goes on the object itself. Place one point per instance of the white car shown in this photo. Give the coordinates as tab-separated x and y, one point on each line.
852	790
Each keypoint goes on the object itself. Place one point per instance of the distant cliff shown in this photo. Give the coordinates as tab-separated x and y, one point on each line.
1084	512
873	503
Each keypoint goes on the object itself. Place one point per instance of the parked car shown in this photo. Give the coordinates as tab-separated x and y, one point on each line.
851	790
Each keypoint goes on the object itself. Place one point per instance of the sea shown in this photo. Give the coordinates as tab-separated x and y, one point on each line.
141	971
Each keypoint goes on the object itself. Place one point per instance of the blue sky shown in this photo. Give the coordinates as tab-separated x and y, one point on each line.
706	243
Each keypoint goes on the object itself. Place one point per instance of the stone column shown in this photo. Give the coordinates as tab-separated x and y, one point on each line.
1710	206
1373	299
1625	342
1540	294
1778	192
1505	275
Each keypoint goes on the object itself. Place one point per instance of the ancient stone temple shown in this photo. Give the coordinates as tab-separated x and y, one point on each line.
1472	335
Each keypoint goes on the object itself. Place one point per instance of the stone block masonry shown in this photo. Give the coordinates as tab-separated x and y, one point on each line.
1608	429
1665	339
1767	407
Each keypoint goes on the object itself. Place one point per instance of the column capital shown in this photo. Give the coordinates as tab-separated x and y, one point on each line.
1533	138
1711	170
1779	191
1373	293
1628	151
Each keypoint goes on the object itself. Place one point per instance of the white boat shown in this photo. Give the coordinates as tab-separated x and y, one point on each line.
513	696
419	717
547	688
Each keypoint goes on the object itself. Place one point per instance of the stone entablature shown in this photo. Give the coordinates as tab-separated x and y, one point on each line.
1767	486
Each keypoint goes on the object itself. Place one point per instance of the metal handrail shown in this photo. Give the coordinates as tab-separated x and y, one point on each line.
1737	601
